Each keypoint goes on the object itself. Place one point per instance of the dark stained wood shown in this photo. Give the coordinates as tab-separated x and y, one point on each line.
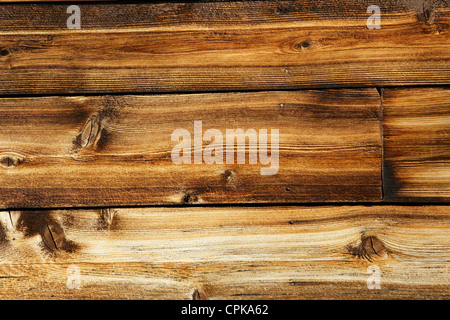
230	46
116	150
227	253
417	144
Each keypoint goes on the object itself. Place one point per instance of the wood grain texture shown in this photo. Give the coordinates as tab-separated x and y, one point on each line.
417	144
227	253
230	46
86	118
116	150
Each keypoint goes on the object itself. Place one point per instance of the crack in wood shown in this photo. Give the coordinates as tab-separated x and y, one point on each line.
51	236
11	220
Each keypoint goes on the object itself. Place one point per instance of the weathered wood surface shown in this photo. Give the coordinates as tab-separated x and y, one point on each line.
227	253
416	144
73	135
116	150
231	46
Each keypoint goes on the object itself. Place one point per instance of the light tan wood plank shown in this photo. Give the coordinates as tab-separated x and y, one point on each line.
227	253
417	144
221	46
116	150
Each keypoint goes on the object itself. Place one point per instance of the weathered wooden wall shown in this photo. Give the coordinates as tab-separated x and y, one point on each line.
87	180
228	253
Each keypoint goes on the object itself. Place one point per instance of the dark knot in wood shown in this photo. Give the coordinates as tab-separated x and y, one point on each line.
53	236
368	249
10	160
189	198
4	52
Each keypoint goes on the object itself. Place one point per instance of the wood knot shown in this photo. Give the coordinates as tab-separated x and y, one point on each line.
96	131
228	176
106	219
90	131
199	295
283	9
53	236
8	219
303	45
426	15
369	248
189	198
108	215
10	160
32	223
4	52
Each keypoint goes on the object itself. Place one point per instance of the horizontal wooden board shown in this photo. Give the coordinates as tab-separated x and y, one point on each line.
117	150
254	45
226	253
417	144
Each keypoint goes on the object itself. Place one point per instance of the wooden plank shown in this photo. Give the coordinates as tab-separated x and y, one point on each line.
117	150
226	253
416	144
231	46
